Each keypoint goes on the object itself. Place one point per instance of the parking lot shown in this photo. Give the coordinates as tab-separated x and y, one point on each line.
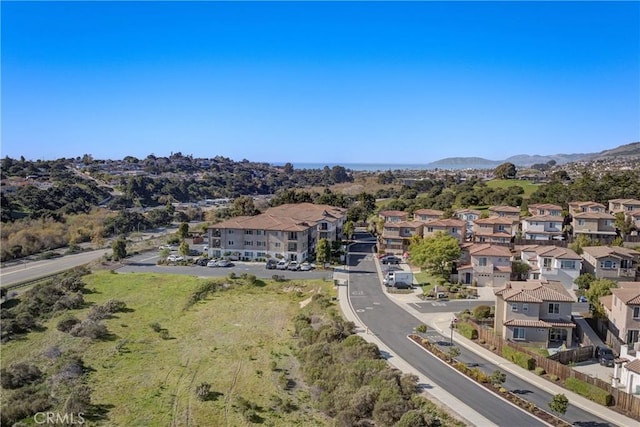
147	263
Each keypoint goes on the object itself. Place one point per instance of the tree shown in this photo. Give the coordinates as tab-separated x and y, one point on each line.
498	377
323	252
519	270
453	352
243	206
597	290
584	280
559	403
119	247
436	254
184	249
183	230
623	223
348	229
505	171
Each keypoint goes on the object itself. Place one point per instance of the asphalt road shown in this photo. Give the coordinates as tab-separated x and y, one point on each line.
391	324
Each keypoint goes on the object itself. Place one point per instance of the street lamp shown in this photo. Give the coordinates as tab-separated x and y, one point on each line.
451	336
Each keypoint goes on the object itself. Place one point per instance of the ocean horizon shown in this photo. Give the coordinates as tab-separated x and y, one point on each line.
370	167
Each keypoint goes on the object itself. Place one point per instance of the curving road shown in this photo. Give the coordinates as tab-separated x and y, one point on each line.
391	324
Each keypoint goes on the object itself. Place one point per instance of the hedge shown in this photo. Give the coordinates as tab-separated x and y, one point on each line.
521	359
589	391
467	331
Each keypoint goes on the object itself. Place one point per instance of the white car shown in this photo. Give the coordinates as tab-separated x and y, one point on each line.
305	266
282	265
293	266
175	258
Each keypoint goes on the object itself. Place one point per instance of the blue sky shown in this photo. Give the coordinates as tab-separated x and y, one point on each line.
335	82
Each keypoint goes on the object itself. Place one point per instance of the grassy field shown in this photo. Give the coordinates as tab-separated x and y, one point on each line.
528	186
238	340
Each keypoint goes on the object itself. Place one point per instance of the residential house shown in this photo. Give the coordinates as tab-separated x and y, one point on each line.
626	369
595	225
542	227
484	265
545	209
551	263
504	212
425	215
495	229
586	207
393	216
622	309
396	236
627	206
611	262
288	231
469	216
451	226
535	312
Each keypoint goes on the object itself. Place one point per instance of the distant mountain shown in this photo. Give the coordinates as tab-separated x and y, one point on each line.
560	159
631	150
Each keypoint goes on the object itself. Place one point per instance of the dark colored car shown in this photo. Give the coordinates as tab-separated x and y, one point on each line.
605	356
390	260
271	264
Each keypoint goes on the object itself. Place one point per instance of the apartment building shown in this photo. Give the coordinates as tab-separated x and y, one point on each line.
551	263
495	229
396	236
484	265
611	262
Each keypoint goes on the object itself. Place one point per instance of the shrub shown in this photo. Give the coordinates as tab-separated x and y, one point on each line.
203	391
89	329
482	312
156	327
467	331
521	359
19	374
539	370
421	328
97	313
553	377
114	306
164	334
589	391
67	323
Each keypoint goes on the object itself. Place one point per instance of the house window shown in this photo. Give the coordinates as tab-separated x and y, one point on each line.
260	254
454	230
568	265
514	307
525	307
581	222
429	229
248	232
259	232
230	231
247	254
482	262
230	242
546	262
554	308
248	243
608	264
518	333
536	276
277	244
636	312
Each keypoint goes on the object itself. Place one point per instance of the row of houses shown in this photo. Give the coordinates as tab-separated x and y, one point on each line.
545	222
289	232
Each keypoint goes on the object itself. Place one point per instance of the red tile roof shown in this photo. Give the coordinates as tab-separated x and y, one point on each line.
534	291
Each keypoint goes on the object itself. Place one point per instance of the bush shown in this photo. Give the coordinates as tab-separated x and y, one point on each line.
164	334
467	331
156	326
67	323
589	391
19	375
89	329
539	370
421	328
521	359
482	312
114	306
203	391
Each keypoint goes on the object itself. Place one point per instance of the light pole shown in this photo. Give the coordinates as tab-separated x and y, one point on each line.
451	336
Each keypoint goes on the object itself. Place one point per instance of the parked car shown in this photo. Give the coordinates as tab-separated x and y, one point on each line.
175	258
293	266
605	356
212	263
390	259
282	265
271	264
305	266
224	263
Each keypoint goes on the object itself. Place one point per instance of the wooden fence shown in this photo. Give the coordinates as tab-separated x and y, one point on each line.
623	402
